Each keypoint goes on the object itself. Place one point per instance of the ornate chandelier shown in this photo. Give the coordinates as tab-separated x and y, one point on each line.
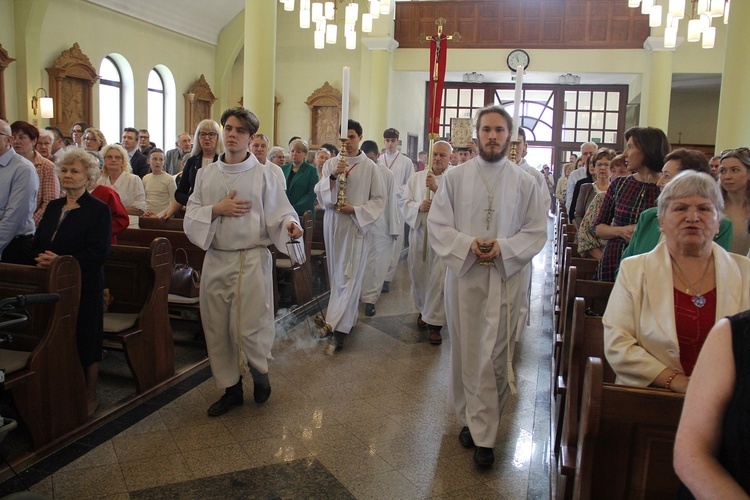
702	13
324	15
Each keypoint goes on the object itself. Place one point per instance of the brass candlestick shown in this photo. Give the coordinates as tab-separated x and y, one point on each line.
513	153
341	197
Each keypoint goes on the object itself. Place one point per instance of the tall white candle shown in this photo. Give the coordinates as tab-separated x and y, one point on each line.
517	103
345	103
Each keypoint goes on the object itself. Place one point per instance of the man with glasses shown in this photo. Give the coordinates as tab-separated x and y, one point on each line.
587	149
20	184
144	142
238	209
137	159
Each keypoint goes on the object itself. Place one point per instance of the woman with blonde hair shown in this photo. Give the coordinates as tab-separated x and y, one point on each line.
734	180
118	175
208	144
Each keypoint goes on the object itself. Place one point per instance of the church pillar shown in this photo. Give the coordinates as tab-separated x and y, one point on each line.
375	88
733	127
259	72
28	16
655	109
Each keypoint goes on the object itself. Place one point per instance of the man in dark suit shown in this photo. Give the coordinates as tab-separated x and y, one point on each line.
137	159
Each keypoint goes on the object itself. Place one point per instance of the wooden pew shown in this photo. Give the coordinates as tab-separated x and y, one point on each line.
47	382
586	340
160	224
300	275
626	438
595	295
137	320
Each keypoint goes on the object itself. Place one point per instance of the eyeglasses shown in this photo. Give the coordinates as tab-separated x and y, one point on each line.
207	134
739	151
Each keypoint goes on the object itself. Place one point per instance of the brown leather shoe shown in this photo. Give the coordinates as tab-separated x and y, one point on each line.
420	323
435	337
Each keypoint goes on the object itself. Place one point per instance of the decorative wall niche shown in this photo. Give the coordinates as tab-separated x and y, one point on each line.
71	79
198	102
325	115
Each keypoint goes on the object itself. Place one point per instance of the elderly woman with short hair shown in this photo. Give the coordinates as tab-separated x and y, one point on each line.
301	178
665	302
80	225
118	175
276	155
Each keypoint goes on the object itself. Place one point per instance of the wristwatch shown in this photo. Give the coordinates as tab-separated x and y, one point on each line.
332	177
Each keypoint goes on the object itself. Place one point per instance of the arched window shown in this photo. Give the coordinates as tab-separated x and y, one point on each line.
110	100
156	108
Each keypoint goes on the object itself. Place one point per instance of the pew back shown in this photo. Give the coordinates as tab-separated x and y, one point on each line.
626	438
49	392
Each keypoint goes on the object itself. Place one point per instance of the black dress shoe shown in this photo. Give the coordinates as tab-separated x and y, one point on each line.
261	393
228	401
369	309
484	457
386	287
464	437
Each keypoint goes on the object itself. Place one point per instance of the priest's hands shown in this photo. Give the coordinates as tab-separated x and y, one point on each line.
425	206
431	184
294	231
230	207
346	209
490	255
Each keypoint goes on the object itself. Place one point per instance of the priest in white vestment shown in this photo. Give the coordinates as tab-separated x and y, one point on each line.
238	208
544	196
402	168
384	231
486	222
426	269
347	231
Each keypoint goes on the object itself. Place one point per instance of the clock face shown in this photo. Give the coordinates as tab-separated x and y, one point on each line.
518	58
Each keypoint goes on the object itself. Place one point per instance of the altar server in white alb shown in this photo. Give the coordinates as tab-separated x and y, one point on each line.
402	168
486	221
347	230
544	197
384	231
426	269
238	208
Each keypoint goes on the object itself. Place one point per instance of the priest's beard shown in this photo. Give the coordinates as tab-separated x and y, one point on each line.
493	155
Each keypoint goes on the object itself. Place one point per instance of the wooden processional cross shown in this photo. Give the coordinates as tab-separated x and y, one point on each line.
438	58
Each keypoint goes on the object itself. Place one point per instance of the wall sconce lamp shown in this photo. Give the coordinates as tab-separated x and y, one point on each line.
44	104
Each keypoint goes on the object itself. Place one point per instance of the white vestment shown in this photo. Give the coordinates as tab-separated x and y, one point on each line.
236	296
523	319
403	169
381	241
347	237
428	275
276	170
482	302
130	188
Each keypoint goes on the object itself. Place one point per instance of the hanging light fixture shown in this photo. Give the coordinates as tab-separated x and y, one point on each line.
304	14
654	16
366	22
375	9
699	20
709	37
331	33
385	7
677	9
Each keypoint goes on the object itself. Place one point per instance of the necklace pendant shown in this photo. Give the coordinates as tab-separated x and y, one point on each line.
699	301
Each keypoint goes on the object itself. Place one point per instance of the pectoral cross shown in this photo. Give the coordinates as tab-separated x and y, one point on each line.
490	213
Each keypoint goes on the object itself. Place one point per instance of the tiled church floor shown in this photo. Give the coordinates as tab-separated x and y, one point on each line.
369	422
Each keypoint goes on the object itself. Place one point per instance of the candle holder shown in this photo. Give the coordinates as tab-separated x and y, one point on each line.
341	197
513	153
